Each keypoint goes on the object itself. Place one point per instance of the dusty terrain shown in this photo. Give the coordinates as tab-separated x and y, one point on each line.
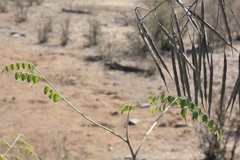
54	129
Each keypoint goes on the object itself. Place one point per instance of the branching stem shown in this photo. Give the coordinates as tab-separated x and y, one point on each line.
10	147
77	110
127	135
154	124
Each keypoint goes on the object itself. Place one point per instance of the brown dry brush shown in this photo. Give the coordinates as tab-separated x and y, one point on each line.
3	6
21	10
95	32
65	32
199	71
44	26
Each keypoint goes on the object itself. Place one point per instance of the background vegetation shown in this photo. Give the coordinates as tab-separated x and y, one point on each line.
175	28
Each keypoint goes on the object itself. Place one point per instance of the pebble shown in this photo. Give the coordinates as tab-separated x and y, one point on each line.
133	121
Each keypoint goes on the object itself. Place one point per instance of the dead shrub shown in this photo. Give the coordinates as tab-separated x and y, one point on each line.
44	26
65	31
95	32
136	45
3	5
21	11
38	2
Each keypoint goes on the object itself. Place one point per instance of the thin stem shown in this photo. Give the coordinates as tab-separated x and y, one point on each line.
78	111
128	140
154	124
10	147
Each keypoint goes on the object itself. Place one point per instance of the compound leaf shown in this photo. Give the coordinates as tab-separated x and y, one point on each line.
127	107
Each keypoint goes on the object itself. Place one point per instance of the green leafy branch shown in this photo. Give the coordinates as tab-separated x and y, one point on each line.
29	75
24	147
30	69
130	107
165	103
185	104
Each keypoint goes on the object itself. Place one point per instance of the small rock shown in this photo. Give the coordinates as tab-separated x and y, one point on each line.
17	34
103	104
128	157
145	105
133	121
110	149
114	113
72	78
180	125
162	125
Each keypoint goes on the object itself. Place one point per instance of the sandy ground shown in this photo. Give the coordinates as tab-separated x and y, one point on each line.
54	129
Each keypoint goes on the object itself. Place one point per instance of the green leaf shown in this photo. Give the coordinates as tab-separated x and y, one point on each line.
51	94
6	68
150	97
182	102
205	118
221	132
29	78
23	65
30	66
17	75
24	76
170	99
218	135
21	149
164	106
157	98
191	106
18	65
153	109
194	115
184	113
159	108
46	89
210	124
12	66
56	97
154	99
36	79
127	107
162	96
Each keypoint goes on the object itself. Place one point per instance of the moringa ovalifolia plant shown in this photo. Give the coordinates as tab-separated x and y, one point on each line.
159	103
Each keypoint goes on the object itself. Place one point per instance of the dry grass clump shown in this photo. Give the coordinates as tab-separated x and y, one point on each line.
21	10
95	32
44	26
65	32
3	5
